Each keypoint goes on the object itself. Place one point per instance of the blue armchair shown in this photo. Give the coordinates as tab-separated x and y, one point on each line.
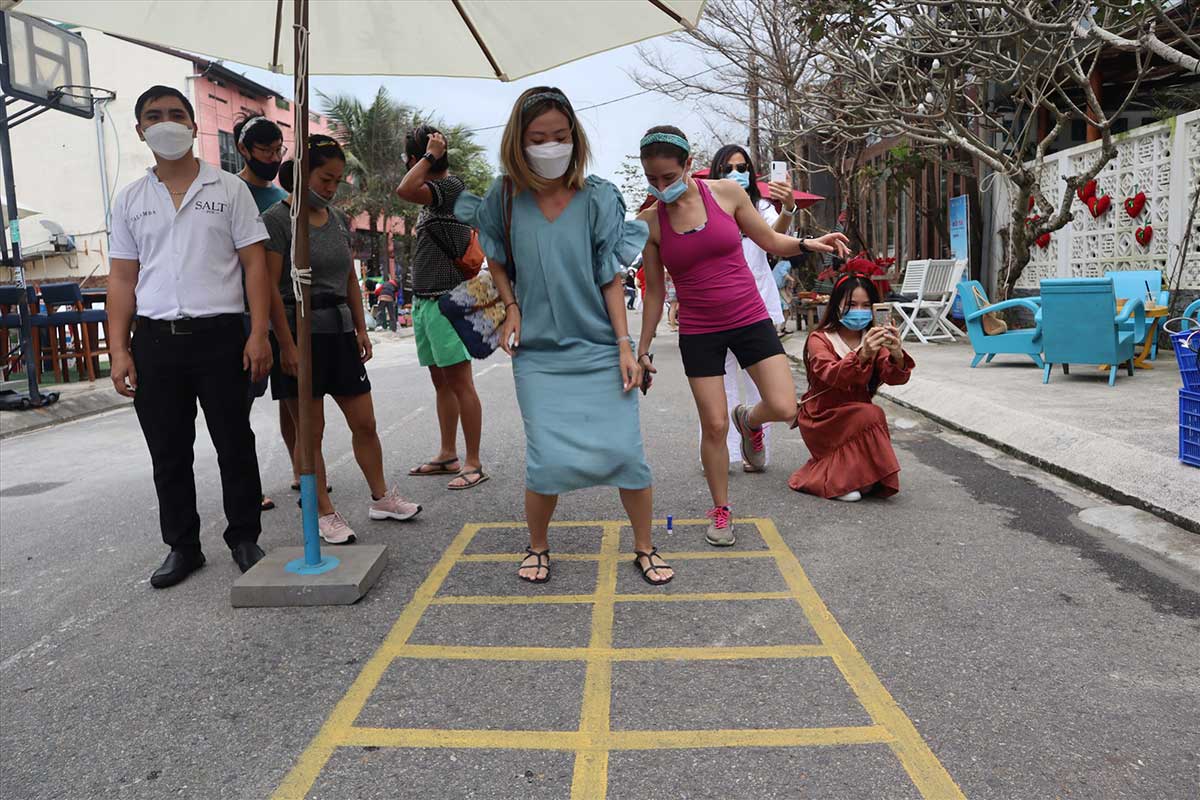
1129	284
1026	341
1080	325
1191	316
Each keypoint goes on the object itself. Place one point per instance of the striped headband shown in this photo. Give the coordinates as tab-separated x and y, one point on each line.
557	97
667	138
250	123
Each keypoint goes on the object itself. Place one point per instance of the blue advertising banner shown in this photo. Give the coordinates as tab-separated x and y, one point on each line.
960	239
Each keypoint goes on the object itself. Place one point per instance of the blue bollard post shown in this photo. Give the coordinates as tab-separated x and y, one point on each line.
312	563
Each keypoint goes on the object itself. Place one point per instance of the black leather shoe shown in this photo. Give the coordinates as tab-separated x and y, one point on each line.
177	566
247	554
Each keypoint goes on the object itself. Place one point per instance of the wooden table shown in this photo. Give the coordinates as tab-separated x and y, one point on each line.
1153	315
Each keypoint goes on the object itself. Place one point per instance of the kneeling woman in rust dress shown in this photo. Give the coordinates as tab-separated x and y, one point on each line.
847	357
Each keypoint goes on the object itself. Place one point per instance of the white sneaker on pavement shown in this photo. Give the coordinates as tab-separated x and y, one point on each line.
334	529
850	497
393	506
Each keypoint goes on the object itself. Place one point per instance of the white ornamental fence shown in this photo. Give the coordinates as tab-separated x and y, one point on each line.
1160	160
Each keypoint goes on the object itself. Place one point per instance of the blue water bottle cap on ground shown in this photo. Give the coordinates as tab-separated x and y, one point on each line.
670	523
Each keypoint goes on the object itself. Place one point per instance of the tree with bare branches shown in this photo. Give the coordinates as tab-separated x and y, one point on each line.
994	80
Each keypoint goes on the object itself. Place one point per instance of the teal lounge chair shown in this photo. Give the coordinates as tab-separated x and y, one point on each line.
1025	341
1129	284
1191	316
1080	325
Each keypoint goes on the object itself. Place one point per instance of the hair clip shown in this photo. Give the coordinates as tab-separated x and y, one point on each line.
247	125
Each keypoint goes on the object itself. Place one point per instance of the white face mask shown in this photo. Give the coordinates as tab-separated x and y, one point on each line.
169	140
550	160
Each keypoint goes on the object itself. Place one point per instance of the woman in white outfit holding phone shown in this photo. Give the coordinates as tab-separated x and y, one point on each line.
732	162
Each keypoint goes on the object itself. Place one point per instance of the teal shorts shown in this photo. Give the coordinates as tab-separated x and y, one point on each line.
438	344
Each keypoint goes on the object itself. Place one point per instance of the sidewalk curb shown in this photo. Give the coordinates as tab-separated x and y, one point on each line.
68	409
1084	481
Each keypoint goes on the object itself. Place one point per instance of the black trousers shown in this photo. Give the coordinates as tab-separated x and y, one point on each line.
174	371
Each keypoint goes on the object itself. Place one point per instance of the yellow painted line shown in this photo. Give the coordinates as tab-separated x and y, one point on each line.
515	558
492	740
716	653
308	766
699	555
783	737
603	523
456	653
514	600
707	555
590	778
468	653
586	745
927	773
682	597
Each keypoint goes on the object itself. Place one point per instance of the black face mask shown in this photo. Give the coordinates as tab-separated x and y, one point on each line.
263	170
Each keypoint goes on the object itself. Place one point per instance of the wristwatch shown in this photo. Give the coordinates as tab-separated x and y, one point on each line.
803	246
430	157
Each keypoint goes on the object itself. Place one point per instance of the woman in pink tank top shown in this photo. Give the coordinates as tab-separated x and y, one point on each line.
696	231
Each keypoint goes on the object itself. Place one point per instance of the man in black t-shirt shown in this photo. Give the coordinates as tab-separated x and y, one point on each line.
441	240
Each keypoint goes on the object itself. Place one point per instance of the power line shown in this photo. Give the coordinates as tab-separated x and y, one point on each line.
615	99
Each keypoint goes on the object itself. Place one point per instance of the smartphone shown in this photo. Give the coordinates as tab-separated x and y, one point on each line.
779	171
647	377
882	314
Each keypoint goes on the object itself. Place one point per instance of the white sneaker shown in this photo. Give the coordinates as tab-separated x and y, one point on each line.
393	506
852	497
335	529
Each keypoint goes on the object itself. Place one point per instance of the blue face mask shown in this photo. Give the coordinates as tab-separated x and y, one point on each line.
856	319
672	192
742	179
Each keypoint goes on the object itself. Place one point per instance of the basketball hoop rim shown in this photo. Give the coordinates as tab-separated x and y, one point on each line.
82	92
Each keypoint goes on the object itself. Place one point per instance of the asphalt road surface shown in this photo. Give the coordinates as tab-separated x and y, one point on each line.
970	637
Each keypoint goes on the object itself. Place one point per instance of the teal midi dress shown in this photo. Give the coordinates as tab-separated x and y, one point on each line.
581	428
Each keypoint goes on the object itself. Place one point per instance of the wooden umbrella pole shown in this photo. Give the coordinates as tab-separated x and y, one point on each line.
307	466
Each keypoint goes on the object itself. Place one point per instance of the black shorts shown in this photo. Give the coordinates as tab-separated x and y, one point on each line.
337	369
704	353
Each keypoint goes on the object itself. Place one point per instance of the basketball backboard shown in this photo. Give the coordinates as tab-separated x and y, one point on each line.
44	64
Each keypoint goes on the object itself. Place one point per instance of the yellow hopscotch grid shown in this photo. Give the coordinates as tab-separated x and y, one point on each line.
595	738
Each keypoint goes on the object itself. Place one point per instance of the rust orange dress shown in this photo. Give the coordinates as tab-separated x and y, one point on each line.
845	432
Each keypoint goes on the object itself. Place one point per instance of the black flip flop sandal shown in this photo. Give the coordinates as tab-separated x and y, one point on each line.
638	554
539	555
470	484
442	468
266	504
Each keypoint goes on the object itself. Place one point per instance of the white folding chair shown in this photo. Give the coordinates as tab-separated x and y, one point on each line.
916	273
954	274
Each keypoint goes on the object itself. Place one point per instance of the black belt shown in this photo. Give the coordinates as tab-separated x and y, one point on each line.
188	325
320	301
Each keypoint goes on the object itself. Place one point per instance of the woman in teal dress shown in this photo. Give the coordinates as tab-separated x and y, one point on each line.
565	329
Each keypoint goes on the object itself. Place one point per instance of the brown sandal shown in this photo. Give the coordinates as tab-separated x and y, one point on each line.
479	475
439	468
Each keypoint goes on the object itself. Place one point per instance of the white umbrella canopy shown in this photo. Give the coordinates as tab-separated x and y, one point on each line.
505	39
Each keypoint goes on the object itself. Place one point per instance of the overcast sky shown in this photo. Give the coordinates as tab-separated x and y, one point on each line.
614	130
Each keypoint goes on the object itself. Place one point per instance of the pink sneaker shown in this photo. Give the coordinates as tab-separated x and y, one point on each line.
393	506
335	529
720	532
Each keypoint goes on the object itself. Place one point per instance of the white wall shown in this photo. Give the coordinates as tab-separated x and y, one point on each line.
56	158
1162	160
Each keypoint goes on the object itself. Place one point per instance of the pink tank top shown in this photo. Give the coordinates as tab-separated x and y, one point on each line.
714	285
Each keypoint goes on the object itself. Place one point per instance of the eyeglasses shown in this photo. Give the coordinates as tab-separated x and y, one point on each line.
278	151
728	168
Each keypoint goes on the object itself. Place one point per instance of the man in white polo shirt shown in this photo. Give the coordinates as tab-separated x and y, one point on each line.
183	236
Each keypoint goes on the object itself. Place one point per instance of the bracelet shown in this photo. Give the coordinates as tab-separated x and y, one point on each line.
632	343
513	303
804	247
647	354
786	212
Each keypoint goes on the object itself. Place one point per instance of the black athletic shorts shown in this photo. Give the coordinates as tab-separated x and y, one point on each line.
337	369
704	353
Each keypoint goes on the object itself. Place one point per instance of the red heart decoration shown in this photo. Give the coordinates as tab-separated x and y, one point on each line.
1143	235
1087	190
1135	204
1099	205
1043	241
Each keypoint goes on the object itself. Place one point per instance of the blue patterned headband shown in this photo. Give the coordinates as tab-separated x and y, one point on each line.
667	138
557	97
